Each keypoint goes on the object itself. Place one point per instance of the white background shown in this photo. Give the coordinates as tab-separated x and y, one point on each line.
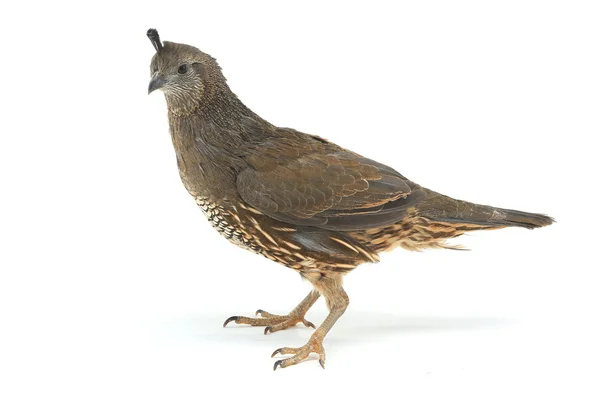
113	286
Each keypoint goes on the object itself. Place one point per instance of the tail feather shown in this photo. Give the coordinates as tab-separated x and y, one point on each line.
504	218
445	209
525	219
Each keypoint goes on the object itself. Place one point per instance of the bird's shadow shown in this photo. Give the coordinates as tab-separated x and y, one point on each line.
357	325
372	325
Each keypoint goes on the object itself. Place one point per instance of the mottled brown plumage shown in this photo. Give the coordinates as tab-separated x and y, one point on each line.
296	198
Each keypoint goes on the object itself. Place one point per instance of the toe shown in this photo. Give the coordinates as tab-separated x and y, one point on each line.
278	351
285	350
266	314
228	320
278	327
299	354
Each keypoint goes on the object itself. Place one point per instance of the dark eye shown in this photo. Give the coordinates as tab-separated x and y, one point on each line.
183	69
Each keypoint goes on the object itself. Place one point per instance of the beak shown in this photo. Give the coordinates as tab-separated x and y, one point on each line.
156	82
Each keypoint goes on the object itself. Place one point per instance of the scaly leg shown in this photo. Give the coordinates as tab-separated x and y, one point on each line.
275	322
337	301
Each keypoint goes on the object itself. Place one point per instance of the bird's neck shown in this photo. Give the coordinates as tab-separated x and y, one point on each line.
218	104
218	117
210	139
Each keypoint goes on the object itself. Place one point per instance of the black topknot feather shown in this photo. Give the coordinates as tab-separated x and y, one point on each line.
155	39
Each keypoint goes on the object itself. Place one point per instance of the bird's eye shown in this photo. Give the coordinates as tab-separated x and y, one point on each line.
183	69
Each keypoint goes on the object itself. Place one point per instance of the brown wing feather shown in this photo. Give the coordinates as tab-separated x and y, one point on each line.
304	181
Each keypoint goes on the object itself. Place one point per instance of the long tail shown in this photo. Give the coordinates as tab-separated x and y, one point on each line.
441	208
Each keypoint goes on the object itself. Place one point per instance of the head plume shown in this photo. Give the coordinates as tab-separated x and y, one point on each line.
155	39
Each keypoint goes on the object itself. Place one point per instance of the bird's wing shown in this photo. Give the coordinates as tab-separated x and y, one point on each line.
315	183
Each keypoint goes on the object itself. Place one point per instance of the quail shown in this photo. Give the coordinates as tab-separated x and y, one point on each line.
296	198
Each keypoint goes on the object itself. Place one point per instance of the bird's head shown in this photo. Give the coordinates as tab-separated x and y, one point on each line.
186	75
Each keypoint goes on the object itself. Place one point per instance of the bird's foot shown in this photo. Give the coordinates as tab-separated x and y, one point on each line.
314	345
272	322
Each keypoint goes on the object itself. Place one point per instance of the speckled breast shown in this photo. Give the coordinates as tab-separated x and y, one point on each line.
228	224
240	224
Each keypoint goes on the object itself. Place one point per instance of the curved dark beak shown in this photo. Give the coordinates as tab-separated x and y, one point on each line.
156	82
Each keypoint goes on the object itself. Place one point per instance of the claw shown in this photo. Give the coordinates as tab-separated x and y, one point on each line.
309	324
278	364
276	352
322	362
228	320
259	311
267	330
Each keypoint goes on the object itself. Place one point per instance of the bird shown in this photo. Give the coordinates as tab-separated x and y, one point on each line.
296	198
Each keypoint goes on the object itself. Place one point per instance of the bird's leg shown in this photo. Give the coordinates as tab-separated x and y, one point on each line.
337	302
274	323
